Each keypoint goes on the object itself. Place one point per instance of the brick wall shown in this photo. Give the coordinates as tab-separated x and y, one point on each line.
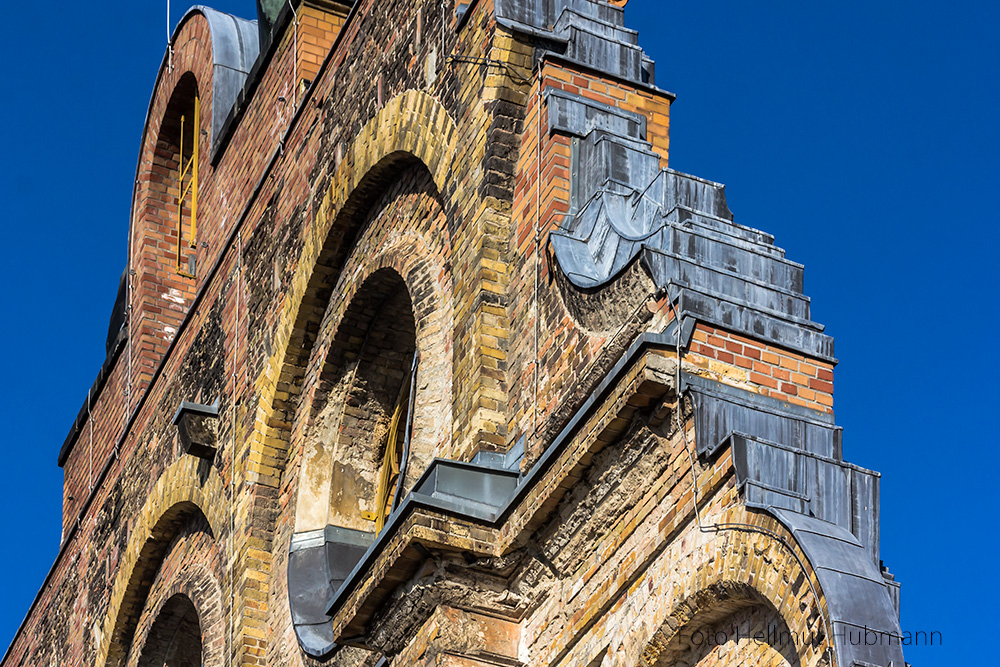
765	369
569	355
399	160
319	23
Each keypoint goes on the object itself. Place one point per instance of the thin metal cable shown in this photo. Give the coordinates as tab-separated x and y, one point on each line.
170	45
538	214
232	456
295	56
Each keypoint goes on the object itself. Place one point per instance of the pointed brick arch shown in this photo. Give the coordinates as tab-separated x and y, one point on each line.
193	591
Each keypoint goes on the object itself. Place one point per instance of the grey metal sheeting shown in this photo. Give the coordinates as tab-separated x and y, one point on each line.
721	410
321	561
623	206
592	31
788	459
858	595
235	46
865	623
318	563
789	463
680	229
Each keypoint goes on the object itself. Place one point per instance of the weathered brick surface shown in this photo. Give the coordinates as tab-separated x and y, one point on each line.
567	356
753	635
762	368
402	202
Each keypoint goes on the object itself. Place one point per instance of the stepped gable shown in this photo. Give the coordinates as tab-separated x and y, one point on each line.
624	207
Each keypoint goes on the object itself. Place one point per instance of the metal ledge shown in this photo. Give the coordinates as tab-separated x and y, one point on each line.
491	509
855	590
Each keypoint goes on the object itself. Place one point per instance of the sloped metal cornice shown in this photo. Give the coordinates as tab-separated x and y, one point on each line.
865	623
625	208
789	463
501	489
590	32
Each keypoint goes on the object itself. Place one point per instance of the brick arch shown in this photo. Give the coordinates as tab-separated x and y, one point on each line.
412	131
713	627
175	637
188	488
363	376
160	294
199	586
412	128
402	269
430	291
191	61
723	572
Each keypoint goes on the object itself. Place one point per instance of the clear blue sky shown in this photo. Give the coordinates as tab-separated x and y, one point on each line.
864	135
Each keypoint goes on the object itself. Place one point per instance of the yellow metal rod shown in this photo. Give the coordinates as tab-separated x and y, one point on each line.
184	168
180	197
194	173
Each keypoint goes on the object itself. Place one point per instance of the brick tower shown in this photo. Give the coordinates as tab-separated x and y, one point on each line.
423	355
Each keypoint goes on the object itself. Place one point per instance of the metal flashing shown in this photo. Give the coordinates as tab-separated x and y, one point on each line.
624	207
854	588
456	488
509	460
733	394
501	511
591	32
318	562
235	47
577	115
857	597
789	463
470	487
645	85
187	407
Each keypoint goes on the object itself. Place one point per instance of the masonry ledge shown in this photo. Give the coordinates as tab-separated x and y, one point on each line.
642	377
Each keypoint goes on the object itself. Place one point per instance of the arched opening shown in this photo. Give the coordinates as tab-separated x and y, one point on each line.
173	190
368	377
753	635
174	639
727	623
143	581
164	241
363	431
347	391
